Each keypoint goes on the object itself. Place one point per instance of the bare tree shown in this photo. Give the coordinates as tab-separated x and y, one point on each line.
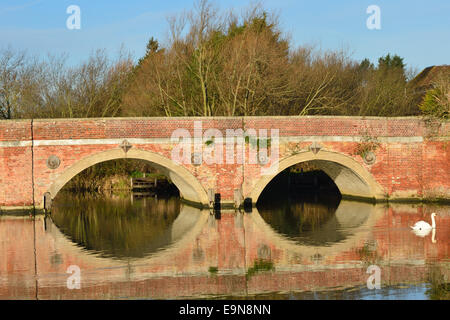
18	83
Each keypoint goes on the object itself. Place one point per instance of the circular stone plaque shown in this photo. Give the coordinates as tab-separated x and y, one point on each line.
263	160
369	158
53	162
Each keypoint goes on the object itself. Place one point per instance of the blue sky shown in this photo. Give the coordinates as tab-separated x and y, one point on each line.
417	30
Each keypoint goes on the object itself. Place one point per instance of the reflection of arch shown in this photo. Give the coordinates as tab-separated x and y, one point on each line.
190	188
184	230
350	177
359	217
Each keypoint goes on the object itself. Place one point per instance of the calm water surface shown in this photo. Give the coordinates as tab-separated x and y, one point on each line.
148	248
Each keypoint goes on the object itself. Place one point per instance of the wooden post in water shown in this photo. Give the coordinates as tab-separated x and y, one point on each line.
47	202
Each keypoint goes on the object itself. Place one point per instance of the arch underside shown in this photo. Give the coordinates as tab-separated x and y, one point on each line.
347	181
351	178
189	187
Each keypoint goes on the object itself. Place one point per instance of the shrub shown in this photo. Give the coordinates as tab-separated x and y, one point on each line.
436	102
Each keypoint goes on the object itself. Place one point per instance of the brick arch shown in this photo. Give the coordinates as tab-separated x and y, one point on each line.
188	185
350	176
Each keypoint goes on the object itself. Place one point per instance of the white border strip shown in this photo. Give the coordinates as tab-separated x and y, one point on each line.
11	144
138	141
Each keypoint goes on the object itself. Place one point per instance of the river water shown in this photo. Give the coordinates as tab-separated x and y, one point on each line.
123	247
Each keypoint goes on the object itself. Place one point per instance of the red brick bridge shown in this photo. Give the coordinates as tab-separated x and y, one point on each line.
372	158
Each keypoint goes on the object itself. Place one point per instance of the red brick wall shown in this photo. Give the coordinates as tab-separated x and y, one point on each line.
418	168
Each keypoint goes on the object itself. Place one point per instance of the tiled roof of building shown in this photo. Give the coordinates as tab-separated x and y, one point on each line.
426	77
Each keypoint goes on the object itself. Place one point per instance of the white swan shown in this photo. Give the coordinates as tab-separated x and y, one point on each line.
424	233
423	226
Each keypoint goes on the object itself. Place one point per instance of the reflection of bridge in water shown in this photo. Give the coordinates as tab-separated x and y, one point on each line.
375	235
